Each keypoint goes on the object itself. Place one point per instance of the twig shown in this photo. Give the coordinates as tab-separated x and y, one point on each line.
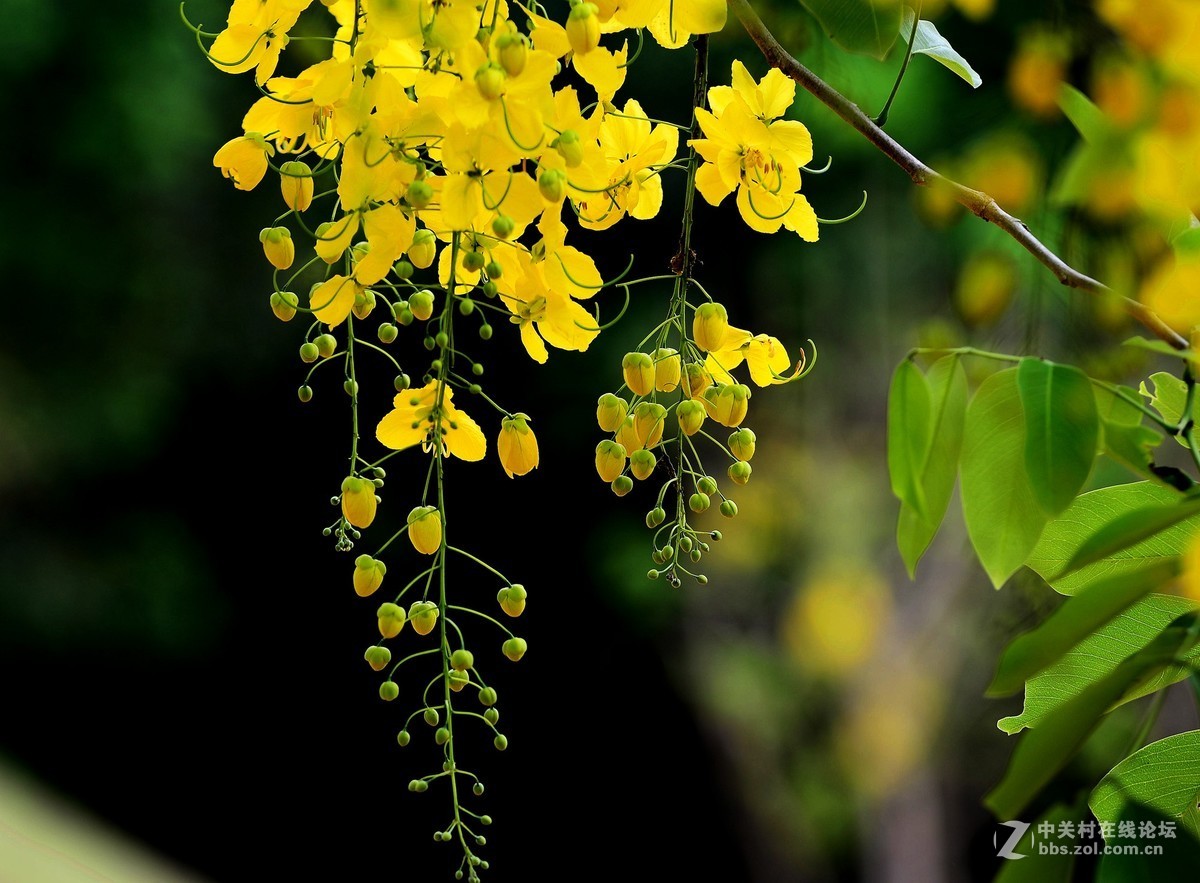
977	201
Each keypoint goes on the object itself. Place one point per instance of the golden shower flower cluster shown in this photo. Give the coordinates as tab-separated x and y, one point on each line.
437	168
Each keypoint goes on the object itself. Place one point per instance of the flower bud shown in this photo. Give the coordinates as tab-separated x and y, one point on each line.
364	303
641	464
425	530
583	28
690	415
569	148
610	460
388	691
423	249
489	80
391	619
739	473
387	332
358	501
488	697
278	246
709	326
503	227
431	717
441	735
512	599
326	345
638	370
698	502
296	182
514	52
729	508
695	380
656	516
553	184
622	485
741	445
457	680
368	576
517	446
627	436
378	657
403	738
727	403
423	616
421	304
611	411
649	420
305	393
501	742
514	648
309	352
419	194
283	305
462	660
668	367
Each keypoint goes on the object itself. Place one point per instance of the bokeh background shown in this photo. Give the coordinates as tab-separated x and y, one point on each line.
181	651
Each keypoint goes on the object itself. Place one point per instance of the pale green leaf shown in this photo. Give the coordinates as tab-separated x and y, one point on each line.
1158	346
1165	776
1061	430
909	433
1065	535
948	396
1169	398
1003	519
1129	529
928	41
1097	656
1088	119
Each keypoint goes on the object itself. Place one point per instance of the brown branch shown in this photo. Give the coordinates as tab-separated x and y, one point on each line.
977	201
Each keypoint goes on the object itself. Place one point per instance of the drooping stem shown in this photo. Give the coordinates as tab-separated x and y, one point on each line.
982	205
882	118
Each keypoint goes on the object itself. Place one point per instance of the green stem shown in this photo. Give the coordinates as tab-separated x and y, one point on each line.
881	120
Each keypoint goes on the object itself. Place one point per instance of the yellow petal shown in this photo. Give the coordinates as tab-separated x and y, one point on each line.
332	300
333	241
766	357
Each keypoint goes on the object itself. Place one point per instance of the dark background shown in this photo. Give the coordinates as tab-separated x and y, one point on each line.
181	649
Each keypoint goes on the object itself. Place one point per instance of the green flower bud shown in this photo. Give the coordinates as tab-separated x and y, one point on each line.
741	444
698	502
493	269
553	185
501	741
514	648
739	473
351	387
421	304
473	261
388	690
512	599
403	269
458	680
368	575
305	393
441	735
423	616
490	80
378	657
326	345
403	738
477	789
283	305
401	382
690	414
491	716
487	696
583	28
569	148
503	226
514	51
656	516
309	352
485	333
706	485
387	332
431	717
729	508
462	660
419	194
622	485
364	303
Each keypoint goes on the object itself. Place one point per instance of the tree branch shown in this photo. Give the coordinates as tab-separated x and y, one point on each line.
977	201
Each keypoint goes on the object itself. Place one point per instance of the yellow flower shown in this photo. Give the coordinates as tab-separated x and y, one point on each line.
517	446
690	415
668	367
638	371
545	314
278	246
244	160
746	149
727	403
764	355
333	299
425	531
423	615
390	618
296	184
649	420
710	324
358	501
416	414
611	411
610	460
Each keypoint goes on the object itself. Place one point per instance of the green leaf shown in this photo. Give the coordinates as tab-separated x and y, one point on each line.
1132	446
1165	776
1065	535
867	27
1061	430
1098	656
1130	529
1088	119
1071	623
909	433
928	41
1003	519
948	395
1158	346
1169	398
1043	751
